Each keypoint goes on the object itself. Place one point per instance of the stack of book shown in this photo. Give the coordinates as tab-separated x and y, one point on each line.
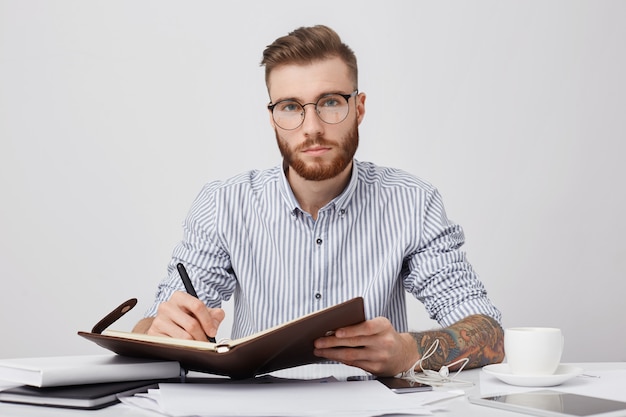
85	382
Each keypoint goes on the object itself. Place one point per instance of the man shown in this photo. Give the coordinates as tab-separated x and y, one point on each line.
323	228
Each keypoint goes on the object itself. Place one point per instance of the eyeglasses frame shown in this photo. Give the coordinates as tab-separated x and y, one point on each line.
347	97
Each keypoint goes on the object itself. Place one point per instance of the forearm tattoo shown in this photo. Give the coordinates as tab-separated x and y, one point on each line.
478	338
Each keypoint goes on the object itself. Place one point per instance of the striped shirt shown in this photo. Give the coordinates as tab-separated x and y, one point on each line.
385	235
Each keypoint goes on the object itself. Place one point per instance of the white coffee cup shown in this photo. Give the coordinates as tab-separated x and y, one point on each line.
533	350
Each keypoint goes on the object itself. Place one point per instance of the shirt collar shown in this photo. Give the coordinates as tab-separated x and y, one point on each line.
340	203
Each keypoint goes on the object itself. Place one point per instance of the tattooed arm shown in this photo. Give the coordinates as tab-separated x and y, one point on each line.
478	338
376	347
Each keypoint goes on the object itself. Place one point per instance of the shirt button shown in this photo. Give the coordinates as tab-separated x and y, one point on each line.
318	295
318	241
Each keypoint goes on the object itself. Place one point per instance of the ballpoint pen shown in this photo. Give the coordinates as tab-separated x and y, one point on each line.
189	287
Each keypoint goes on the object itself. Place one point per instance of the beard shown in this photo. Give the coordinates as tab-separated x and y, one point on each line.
318	170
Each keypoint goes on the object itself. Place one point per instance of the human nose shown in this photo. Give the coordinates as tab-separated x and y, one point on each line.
312	125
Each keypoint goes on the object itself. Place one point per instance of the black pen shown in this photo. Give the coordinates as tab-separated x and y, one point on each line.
189	287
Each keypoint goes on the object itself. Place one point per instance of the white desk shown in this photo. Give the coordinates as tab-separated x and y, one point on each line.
458	406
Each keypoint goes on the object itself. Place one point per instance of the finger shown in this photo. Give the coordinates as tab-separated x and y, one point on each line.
366	328
330	342
362	334
177	320
166	327
192	306
359	357
345	355
186	317
216	316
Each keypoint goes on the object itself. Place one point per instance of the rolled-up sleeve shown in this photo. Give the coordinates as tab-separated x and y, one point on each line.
438	272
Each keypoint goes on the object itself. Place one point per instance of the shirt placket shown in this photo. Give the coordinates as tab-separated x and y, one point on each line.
320	260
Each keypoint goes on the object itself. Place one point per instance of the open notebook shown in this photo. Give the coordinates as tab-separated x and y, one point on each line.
284	346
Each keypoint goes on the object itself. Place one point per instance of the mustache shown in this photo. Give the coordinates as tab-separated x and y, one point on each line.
317	141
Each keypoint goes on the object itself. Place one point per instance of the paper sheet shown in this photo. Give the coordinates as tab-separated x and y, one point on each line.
319	371
309	390
357	398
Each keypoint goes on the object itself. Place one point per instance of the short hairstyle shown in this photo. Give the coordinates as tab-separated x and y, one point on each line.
306	45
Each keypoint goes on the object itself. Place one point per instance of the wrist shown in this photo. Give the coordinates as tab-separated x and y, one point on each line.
143	325
411	355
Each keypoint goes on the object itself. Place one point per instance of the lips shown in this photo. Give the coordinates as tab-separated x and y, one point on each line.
316	150
315	146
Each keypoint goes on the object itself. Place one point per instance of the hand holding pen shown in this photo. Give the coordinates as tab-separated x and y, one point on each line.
183	316
189	288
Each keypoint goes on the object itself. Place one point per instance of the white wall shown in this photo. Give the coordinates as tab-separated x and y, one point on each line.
114	113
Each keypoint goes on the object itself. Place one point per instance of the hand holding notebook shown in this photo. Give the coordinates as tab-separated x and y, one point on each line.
284	346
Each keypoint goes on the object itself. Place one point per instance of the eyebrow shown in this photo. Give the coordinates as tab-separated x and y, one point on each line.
296	99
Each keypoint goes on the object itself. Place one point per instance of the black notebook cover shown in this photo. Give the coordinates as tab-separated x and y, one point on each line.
90	396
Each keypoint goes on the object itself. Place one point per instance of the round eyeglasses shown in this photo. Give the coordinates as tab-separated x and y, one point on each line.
330	108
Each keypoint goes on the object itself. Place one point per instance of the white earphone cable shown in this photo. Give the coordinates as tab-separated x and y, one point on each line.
434	378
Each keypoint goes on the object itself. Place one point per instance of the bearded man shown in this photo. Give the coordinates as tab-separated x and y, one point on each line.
321	228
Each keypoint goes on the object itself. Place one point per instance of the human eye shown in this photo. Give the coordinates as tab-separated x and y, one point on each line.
330	101
288	106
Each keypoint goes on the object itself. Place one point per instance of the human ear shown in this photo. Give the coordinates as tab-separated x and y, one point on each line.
269	113
360	107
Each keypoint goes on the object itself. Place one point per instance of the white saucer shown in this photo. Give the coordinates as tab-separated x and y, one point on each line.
562	374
